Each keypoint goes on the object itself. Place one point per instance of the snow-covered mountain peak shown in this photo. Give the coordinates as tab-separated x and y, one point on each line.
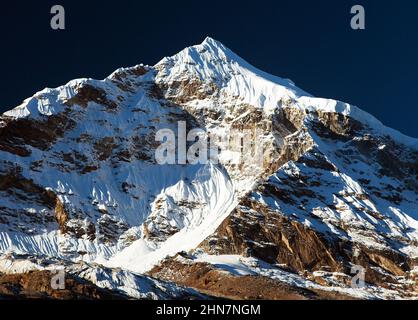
212	67
206	52
79	180
213	61
211	57
210	41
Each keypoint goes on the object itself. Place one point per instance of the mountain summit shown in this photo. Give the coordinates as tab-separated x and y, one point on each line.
332	190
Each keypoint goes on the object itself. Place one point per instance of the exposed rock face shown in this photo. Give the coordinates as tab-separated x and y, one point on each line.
279	234
37	285
255	231
88	93
211	281
61	215
310	187
40	277
17	136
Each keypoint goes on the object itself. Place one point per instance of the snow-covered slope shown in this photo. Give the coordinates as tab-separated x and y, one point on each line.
103	172
79	180
121	282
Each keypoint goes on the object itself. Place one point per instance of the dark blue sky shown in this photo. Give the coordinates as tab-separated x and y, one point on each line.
310	42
